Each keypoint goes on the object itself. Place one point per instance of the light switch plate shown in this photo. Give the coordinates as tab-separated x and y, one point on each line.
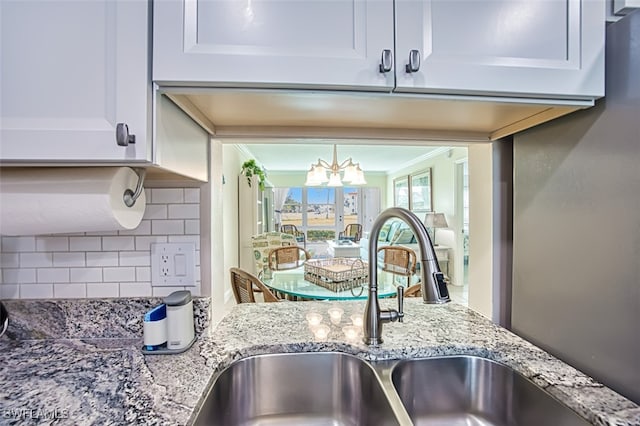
173	264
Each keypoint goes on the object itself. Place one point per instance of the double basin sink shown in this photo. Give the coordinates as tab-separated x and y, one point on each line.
329	388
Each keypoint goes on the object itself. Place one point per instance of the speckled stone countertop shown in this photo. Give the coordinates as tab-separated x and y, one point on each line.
61	362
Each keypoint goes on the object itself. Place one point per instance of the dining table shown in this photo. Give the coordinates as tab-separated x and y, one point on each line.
292	283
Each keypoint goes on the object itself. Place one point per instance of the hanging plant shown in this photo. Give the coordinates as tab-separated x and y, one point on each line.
249	169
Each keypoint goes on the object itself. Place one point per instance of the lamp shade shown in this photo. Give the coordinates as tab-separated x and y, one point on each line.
334	180
435	220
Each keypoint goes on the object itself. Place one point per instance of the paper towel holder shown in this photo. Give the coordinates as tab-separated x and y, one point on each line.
130	196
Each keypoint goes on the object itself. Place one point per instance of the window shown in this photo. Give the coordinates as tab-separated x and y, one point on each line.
321	207
291	211
317	211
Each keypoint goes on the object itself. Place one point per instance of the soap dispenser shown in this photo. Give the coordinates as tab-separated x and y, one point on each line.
180	329
168	328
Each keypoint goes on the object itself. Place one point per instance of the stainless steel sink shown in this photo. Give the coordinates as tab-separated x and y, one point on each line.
297	389
336	389
472	391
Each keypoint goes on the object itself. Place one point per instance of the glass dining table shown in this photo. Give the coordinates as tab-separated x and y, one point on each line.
292	283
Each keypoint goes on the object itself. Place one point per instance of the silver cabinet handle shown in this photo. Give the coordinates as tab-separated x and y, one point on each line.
123	138
414	61
386	61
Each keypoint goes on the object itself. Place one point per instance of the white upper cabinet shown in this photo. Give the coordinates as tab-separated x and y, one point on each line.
536	48
70	72
528	48
274	43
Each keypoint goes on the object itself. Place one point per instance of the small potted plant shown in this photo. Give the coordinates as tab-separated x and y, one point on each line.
250	169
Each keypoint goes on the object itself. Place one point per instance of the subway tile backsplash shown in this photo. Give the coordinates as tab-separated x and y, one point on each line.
102	265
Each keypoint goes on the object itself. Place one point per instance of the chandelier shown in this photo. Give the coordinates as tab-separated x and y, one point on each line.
317	174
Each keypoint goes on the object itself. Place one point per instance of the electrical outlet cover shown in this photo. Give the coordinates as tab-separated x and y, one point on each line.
173	264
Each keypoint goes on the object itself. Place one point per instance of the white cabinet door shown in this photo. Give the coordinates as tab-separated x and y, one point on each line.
70	71
334	44
542	48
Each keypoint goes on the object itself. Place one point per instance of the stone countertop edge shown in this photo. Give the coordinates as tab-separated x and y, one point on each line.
85	378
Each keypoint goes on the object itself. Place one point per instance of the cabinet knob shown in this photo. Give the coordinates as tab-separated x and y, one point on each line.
386	61
414	61
123	138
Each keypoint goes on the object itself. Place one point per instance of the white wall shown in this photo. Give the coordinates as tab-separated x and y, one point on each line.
226	162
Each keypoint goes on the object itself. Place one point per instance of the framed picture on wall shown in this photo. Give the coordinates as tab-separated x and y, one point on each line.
420	195
401	192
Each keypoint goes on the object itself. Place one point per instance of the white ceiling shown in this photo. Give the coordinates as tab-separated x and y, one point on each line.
372	158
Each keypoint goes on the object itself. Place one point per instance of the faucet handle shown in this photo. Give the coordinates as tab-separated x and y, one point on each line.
400	303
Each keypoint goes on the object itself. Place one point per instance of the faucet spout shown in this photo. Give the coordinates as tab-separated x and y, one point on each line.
433	286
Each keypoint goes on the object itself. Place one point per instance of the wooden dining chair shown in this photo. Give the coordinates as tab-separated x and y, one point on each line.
263	244
352	231
289	257
398	260
301	237
244	287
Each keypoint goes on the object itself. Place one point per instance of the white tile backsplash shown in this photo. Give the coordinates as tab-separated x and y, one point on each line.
118	243
36	260
184	211
192	195
52	244
167	195
103	290
167	227
36	291
70	291
69	259
18	244
19	276
136	290
134	258
156	211
144	243
102	258
52	275
85	243
102	264
9	260
112	275
10	291
192	227
143	274
89	275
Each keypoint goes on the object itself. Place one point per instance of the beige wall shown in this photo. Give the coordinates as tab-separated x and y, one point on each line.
443	170
481	261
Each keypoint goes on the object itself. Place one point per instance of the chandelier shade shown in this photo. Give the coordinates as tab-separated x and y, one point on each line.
352	173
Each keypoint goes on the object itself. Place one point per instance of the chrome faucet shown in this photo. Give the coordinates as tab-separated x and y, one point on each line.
433	286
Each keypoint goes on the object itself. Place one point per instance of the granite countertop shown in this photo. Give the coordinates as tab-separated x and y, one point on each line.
79	362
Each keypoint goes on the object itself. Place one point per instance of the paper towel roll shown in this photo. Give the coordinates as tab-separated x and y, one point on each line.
36	201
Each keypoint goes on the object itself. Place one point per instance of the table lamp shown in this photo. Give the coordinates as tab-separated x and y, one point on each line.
434	221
